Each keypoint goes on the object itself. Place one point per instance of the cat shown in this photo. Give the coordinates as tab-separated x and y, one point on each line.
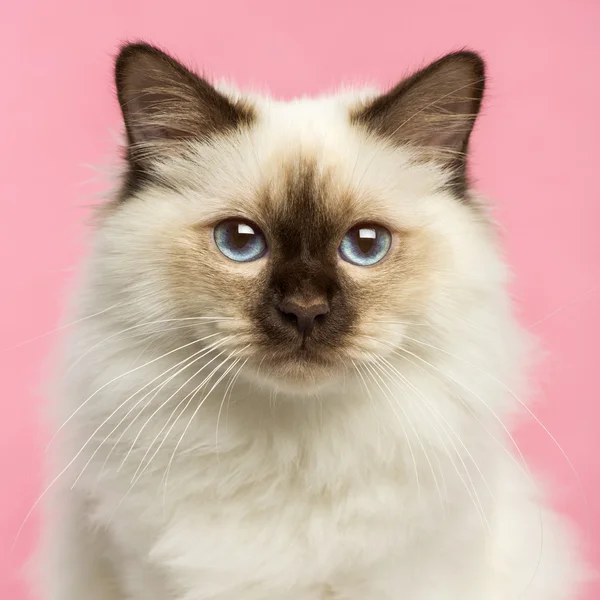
295	365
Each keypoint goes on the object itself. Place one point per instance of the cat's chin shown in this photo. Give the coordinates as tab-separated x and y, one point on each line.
298	375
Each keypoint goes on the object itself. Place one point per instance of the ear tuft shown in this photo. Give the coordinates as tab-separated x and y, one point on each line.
435	109
161	100
163	104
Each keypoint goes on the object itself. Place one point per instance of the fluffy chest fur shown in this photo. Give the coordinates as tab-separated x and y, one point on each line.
291	502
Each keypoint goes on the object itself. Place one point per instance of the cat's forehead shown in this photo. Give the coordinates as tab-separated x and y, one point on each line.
302	164
304	114
308	153
317	130
302	160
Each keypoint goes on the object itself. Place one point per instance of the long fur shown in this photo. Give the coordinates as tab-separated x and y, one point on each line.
195	465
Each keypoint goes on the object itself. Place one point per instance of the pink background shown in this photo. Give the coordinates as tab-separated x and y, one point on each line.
536	152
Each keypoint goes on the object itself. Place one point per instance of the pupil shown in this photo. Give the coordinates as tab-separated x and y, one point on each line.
239	239
365	244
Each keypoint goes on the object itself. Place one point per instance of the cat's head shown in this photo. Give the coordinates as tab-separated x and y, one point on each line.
301	236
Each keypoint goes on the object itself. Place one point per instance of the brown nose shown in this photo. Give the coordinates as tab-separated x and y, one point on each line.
303	316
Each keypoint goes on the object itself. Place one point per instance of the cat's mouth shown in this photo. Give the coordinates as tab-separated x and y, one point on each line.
300	368
304	354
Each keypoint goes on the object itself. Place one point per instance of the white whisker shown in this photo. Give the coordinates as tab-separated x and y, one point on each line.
406	437
229	386
201	353
65	469
510	436
162	356
433	410
379	366
191	398
62	327
371	401
166	478
160	408
143	334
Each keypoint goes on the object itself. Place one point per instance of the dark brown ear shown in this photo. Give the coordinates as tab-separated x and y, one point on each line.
164	103
434	109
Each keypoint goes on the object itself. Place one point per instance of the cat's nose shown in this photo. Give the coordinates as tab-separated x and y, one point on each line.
304	315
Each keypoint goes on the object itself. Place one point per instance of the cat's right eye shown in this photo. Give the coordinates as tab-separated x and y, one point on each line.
240	240
365	245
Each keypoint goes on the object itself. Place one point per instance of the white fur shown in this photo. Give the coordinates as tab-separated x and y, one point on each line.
409	491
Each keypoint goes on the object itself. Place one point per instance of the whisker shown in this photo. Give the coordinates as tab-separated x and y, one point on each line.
160	407
566	305
225	373
535	418
419	440
396	348
372	402
76	411
446	422
166	478
62	327
235	378
201	353
102	342
152	395
410	449
229	386
503	426
512	394
407	323
64	470
134	482
156	391
431	407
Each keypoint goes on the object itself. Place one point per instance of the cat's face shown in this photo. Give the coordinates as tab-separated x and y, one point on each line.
298	237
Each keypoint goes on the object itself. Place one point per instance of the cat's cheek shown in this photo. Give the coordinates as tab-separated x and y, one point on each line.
200	281
393	295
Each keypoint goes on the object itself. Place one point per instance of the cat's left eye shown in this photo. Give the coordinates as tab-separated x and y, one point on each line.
365	245
239	240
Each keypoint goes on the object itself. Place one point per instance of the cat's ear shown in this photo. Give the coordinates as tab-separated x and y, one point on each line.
164	102
433	109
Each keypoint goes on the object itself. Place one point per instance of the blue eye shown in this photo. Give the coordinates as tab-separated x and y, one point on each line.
365	245
240	240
